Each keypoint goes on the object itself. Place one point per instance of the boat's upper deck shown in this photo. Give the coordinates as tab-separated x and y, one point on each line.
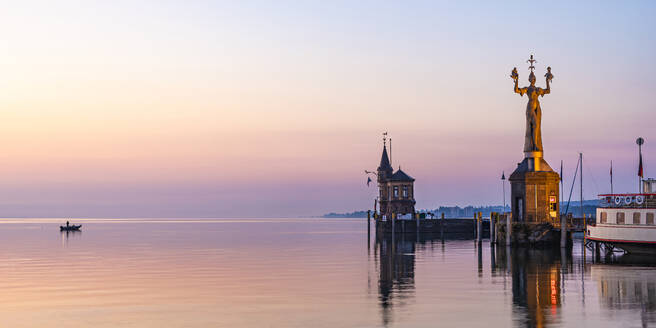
638	200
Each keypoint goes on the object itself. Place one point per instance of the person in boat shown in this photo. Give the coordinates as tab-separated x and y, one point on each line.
66	224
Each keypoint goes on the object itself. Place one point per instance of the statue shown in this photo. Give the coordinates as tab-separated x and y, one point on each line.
533	139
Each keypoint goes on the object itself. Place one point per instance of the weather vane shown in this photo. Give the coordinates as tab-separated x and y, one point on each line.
385	138
532	61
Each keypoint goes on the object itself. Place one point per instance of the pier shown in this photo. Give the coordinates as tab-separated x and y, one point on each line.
494	228
465	226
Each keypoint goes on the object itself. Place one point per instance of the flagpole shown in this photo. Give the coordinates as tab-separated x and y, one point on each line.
640	141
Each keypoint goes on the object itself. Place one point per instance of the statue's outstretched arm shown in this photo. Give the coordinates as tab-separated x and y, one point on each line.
521	91
545	91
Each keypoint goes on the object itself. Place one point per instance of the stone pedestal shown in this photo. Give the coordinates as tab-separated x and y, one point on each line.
534	191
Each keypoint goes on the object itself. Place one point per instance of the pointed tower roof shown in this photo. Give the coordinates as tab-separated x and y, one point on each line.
384	161
401	176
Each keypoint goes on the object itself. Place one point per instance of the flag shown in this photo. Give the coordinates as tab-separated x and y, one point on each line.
611	177
640	167
368	181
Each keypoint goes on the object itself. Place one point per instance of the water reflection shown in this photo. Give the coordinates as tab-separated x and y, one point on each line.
65	235
396	268
627	283
396	258
537	282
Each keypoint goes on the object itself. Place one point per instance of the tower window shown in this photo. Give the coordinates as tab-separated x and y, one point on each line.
405	191
396	192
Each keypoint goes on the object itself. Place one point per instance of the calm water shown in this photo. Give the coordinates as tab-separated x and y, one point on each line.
301	273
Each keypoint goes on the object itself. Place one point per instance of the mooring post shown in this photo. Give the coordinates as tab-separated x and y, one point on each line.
563	232
508	228
496	229
392	227
492	215
368	228
442	227
479	227
417	220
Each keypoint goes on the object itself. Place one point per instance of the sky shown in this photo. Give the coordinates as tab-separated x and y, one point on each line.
276	108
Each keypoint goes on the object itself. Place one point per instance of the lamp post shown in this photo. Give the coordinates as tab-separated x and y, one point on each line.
503	186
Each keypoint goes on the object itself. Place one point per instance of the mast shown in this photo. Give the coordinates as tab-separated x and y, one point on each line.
561	188
581	179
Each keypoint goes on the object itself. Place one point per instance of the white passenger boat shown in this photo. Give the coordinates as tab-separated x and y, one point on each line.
626	221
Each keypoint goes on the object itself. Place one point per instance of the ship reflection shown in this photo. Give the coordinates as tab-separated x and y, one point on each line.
627	283
65	235
536	283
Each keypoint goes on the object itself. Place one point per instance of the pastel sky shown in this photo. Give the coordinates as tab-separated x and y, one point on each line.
275	108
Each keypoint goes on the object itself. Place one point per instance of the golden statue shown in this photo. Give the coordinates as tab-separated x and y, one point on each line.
533	140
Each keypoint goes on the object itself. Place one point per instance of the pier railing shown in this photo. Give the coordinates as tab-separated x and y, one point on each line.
627	200
573	223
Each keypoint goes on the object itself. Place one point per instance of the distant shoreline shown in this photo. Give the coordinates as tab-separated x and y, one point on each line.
589	208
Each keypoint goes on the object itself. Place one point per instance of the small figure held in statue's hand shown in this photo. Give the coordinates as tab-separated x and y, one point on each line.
549	76
514	74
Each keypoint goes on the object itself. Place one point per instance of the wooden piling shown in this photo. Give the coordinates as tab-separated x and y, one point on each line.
563	232
368	228
496	229
479	227
442	227
492	215
417	230
508	229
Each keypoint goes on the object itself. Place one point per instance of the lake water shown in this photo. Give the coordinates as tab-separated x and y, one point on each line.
301	273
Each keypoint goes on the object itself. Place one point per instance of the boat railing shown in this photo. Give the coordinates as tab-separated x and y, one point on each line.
627	200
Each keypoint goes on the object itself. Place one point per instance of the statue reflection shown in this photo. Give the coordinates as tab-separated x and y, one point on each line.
536	283
628	282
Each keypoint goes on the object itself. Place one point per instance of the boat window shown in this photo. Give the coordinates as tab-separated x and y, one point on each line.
636	217
604	217
650	218
619	218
